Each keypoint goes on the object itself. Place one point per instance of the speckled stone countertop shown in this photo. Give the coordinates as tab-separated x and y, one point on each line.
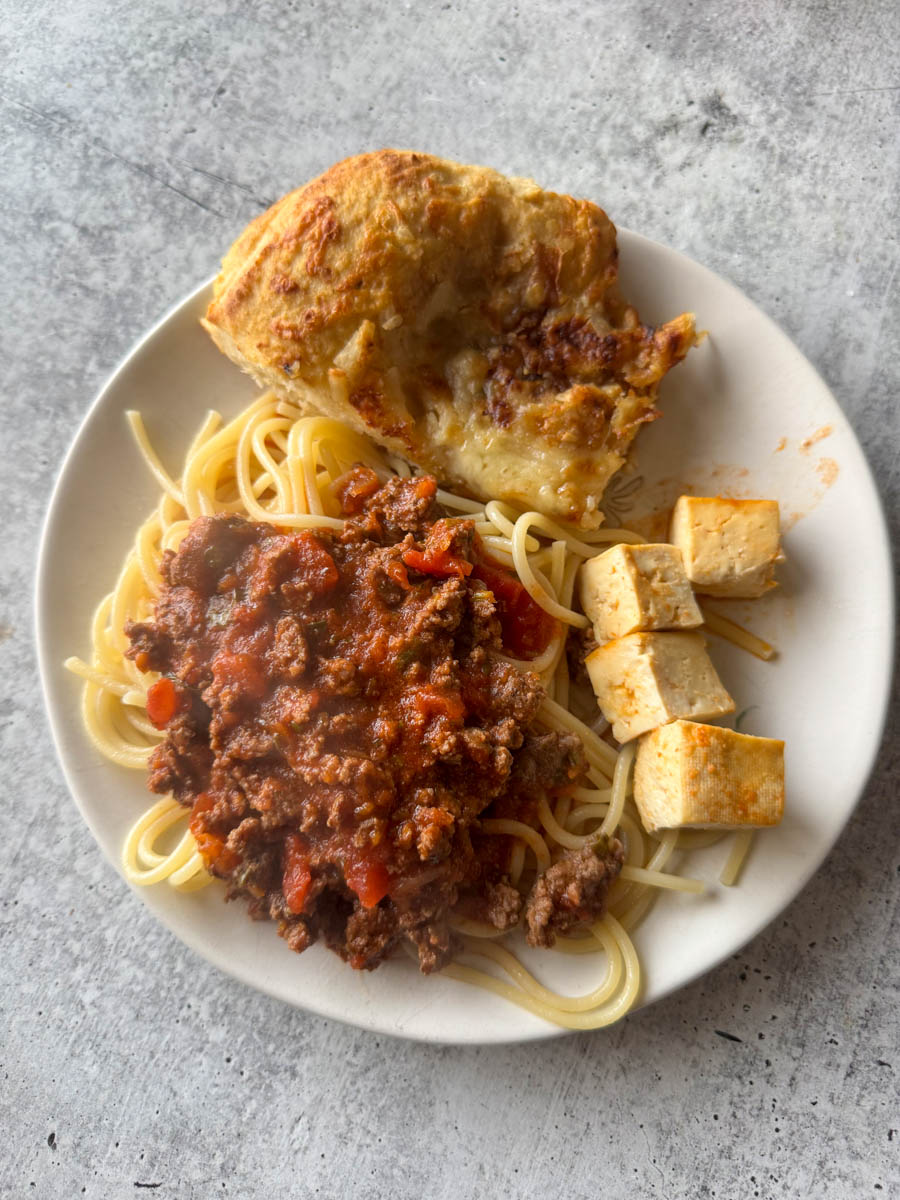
135	141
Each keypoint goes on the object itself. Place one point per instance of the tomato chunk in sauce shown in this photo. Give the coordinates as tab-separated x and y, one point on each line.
527	628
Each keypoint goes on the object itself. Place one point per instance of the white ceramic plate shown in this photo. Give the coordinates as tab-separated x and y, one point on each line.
737	413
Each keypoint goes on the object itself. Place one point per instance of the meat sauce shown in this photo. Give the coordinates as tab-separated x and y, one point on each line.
338	720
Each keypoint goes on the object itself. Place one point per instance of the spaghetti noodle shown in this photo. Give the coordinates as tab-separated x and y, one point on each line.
275	464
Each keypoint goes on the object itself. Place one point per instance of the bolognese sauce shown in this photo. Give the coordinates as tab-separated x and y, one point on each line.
338	720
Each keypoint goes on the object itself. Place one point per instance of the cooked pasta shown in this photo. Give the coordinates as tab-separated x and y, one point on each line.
273	463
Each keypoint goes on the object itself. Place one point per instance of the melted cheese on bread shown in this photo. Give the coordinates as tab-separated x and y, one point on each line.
470	322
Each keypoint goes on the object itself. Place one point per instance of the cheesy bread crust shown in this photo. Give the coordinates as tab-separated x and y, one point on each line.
470	322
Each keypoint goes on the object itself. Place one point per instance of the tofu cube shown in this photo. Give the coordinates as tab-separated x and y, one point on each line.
730	547
630	588
702	775
644	680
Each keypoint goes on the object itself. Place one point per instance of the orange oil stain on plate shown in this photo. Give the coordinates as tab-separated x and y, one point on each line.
827	470
823	432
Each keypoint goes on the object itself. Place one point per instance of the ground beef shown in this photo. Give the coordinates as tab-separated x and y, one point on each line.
338	719
369	936
518	695
150	647
556	757
503	904
389	512
572	891
181	764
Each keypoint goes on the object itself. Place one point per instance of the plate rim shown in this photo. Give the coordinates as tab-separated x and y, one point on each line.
183	931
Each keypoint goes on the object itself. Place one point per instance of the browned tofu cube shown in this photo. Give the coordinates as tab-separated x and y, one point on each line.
687	774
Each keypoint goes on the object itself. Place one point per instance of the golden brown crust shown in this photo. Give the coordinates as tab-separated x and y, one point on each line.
469	321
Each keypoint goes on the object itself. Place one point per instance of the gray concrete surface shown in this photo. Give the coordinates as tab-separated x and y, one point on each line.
136	139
